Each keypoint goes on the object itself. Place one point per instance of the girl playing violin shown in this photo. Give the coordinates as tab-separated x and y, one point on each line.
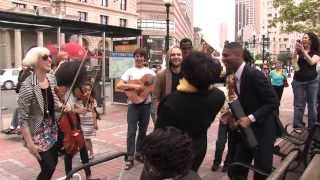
88	120
65	75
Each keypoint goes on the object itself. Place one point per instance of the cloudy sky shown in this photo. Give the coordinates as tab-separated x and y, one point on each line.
209	14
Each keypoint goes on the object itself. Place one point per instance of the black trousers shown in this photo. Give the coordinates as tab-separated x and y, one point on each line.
262	155
199	151
279	91
48	163
84	159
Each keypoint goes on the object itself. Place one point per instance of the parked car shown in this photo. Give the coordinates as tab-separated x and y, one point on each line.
9	78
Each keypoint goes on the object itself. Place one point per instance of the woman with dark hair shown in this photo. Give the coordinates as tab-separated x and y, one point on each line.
193	107
305	81
168	154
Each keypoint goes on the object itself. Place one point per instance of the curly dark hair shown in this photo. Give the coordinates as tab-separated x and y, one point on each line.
169	151
185	40
314	47
140	51
67	71
201	70
247	56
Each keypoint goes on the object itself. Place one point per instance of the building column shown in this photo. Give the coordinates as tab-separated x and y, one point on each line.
40	38
17	48
80	40
8	49
63	38
5	50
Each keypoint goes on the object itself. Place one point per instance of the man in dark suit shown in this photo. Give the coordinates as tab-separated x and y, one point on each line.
259	102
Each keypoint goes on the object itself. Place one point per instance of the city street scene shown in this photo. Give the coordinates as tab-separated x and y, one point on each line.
159	89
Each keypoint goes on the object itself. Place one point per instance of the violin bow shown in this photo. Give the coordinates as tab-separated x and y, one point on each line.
75	77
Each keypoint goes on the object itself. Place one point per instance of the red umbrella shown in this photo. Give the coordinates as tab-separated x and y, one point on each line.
74	50
53	48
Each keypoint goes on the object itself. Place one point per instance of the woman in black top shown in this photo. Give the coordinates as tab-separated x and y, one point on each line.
305	82
193	107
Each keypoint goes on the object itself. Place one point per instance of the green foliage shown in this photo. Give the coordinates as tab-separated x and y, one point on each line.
284	57
258	57
297	17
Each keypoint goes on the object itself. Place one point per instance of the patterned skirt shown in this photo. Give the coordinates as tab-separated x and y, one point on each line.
87	125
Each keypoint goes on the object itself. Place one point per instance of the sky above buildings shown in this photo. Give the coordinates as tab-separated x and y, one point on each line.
209	14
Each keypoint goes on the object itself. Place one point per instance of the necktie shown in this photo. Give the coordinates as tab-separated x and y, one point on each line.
232	87
236	82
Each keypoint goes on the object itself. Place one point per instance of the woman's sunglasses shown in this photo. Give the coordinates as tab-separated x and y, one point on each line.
46	57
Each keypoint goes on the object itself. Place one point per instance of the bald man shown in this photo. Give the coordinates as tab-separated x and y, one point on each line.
259	102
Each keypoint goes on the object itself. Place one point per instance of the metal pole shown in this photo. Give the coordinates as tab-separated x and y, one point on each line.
104	73
59	39
167	35
289	63
263	37
1	124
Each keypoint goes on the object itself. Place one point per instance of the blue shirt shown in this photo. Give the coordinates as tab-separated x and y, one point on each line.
276	78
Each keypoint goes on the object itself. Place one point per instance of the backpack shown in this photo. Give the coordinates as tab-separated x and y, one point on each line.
23	74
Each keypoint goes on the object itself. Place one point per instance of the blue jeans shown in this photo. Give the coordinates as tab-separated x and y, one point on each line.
138	116
305	92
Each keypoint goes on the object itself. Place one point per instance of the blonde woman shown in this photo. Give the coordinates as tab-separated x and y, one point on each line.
37	104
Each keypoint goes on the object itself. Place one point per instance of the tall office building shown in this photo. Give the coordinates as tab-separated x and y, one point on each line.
223	34
152	20
245	18
280	42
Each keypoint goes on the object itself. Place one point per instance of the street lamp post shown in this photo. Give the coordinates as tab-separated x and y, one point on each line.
265	42
149	42
289	63
167	3
263	37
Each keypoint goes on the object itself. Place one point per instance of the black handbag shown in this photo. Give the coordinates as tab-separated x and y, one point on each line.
247	134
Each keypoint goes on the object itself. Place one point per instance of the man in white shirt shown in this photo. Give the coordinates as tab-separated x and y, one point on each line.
139	103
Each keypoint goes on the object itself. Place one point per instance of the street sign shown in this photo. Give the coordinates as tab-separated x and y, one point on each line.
119	62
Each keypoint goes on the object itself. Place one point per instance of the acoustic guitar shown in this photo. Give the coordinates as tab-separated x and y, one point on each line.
139	90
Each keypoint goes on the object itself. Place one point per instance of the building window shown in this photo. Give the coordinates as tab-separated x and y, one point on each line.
83	1
83	16
19	5
123	22
104	19
104	3
155	25
123	4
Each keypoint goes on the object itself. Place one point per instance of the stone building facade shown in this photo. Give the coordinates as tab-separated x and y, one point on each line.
14	42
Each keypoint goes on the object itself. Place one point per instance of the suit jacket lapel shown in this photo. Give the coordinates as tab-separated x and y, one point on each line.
37	92
243	82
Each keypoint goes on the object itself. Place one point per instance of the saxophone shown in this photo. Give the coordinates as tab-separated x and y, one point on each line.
231	95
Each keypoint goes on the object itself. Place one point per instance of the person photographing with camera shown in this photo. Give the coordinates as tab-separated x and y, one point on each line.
305	82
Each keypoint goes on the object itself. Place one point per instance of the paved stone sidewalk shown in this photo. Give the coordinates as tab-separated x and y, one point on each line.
17	163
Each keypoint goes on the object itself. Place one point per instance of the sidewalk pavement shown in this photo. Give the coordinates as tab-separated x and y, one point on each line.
17	163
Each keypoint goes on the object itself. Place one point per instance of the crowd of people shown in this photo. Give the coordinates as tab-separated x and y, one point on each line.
57	109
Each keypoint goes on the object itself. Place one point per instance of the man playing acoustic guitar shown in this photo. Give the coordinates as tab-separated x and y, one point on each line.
137	83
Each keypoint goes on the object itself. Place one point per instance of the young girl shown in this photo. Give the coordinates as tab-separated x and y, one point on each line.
88	120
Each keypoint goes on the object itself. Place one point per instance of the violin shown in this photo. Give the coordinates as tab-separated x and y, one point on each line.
72	137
